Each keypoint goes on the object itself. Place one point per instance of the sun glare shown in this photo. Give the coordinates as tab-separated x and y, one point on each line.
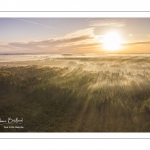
112	41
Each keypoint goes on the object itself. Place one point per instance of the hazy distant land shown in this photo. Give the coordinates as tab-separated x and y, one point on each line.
76	92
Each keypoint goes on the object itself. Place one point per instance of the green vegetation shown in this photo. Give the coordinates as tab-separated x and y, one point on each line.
61	99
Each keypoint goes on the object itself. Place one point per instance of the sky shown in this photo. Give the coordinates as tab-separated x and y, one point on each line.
74	35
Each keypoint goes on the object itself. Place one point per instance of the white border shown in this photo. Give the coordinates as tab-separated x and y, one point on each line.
77	135
75	14
73	5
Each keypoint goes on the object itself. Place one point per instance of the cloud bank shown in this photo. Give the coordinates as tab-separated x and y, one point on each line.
81	39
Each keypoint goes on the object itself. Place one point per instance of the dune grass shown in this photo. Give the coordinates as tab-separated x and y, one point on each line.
111	96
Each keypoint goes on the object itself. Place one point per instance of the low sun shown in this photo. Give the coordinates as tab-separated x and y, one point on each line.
112	41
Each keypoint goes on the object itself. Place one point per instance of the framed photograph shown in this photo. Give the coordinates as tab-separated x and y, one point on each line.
75	74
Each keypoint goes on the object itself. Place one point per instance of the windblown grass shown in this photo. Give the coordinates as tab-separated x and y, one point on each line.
109	94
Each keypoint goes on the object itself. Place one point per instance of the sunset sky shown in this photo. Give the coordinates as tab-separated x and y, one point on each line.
74	35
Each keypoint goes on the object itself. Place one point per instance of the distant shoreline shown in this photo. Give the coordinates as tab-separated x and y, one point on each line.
71	53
